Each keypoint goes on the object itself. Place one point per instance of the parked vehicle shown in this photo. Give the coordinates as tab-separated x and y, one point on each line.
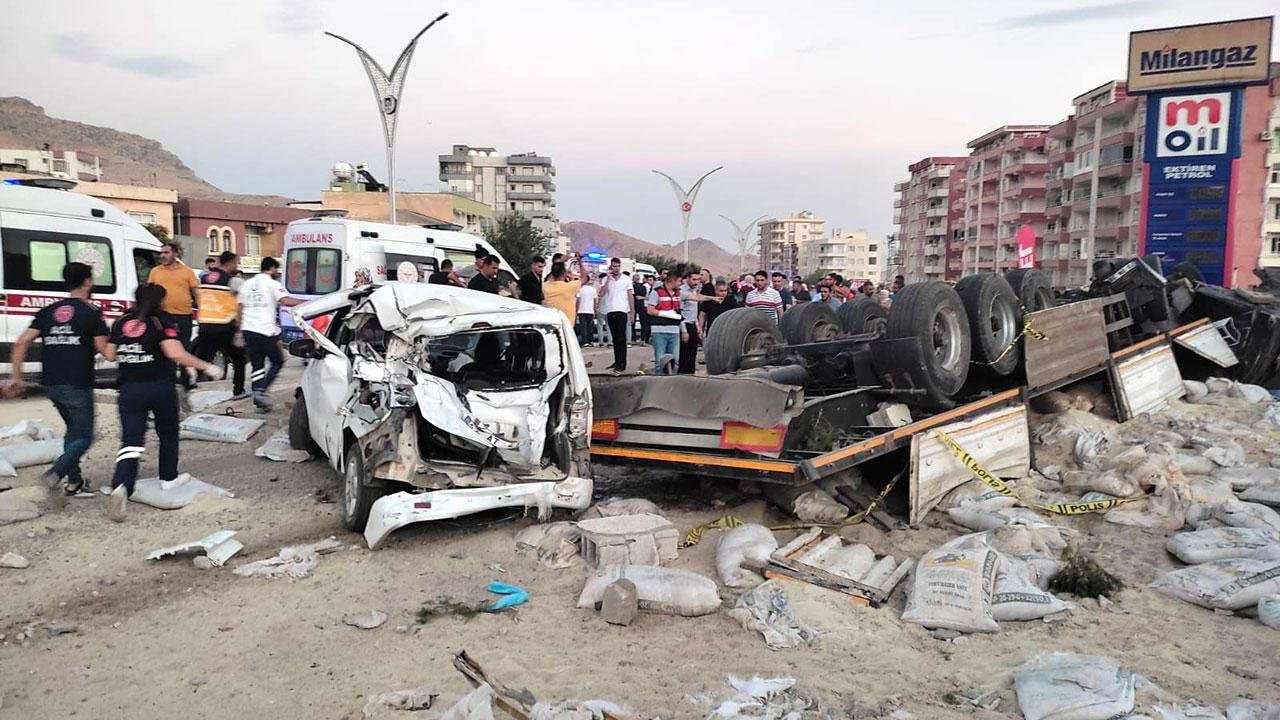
329	252
43	226
435	401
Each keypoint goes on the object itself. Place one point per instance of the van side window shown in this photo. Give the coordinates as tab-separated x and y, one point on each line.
33	259
143	261
394	260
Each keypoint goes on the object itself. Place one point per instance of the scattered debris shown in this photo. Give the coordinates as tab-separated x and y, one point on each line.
512	596
759	697
15	508
413	699
60	627
1083	577
219	547
659	589
14	560
441	608
808	503
519	704
1269	611
365	619
31	430
620	506
218	428
277	448
30	453
742	548
555	544
202	400
628	540
767	610
185	491
294	561
829	561
1061	686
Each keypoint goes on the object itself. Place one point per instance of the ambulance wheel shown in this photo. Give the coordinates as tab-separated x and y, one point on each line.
932	313
809	322
862	315
357	495
994	319
739	339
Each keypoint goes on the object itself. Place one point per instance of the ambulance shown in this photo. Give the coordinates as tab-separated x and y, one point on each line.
328	252
43	226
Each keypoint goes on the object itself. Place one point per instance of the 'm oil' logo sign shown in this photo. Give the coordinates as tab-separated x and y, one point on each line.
1193	125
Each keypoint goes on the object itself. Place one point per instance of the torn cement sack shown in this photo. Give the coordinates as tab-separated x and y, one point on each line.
1111	482
807	503
1067	686
1039	549
1195	388
1190	464
554	544
412	699
613	507
28	453
218	428
1269	611
1224	453
1225	584
475	705
660	589
1066	427
1246	476
1246	709
31	430
750	543
182	494
974	491
15	508
766	609
951	589
1247	514
1017	596
1166	509
1249	393
278	448
202	400
294	561
1221	543
1263	493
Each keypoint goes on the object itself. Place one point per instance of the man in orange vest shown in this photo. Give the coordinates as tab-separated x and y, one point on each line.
219	331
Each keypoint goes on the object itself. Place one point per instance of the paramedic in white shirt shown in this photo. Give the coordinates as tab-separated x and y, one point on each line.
260	299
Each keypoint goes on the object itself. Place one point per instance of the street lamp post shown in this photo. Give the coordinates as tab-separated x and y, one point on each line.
742	234
386	90
686	198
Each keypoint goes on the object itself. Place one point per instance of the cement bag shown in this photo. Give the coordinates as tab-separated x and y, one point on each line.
1164	510
1195	388
14	507
974	491
1218	385
1269	611
982	517
202	400
1223	543
1266	494
1247	476
33	452
951	589
1016	595
1225	584
278	448
1111	482
1247	514
149	492
1245	709
1194	464
614	507
1209	491
1066	686
1052	403
660	589
555	544
1249	393
30	429
1225	453
218	428
745	542
7	470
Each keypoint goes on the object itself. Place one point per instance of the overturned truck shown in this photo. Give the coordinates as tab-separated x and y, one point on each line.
434	402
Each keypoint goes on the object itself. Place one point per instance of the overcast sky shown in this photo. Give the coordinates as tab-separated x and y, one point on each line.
807	105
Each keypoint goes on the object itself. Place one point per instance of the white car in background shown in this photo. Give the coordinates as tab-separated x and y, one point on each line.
435	401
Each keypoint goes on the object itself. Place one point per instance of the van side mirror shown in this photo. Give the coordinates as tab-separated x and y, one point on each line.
305	348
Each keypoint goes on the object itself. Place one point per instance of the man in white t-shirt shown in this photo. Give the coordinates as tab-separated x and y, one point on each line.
765	298
617	301
587	311
260	299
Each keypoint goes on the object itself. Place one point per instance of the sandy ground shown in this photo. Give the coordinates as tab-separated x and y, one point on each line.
164	639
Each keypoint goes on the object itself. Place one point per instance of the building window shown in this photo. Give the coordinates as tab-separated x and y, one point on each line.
1275	243
1275	174
871	247
214	236
228	240
60	166
252	244
144	218
21	162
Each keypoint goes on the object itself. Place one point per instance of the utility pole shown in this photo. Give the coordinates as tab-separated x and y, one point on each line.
685	198
742	235
386	90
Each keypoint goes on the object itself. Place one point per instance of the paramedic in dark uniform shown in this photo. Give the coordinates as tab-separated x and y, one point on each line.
146	344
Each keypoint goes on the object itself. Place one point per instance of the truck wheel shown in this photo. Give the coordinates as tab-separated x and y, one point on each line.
357	495
809	323
737	333
994	320
300	428
1032	288
932	312
863	315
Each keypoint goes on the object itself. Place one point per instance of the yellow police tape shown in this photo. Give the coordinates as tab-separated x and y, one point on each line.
993	482
695	535
1027	330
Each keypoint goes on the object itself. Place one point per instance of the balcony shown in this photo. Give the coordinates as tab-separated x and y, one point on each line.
937	211
941	191
936	173
447	176
543	196
1118	137
935	231
1116	168
1027	167
900	186
897	203
1118	199
530	160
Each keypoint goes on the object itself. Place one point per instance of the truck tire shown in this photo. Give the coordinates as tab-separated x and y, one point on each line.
809	322
932	312
994	320
357	495
862	315
739	332
1032	288
300	428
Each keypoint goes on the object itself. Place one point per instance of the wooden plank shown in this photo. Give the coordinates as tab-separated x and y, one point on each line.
1075	340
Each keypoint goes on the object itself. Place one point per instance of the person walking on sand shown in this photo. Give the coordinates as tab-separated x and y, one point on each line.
71	332
144	343
260	300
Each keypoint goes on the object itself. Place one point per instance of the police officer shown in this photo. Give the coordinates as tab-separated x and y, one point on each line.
71	332
146	344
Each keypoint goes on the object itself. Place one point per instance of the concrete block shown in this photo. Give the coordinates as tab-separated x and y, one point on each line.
620	603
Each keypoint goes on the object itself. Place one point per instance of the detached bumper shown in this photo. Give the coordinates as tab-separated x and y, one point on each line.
392	512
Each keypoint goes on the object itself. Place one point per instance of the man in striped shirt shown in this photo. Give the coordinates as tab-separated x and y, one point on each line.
764	297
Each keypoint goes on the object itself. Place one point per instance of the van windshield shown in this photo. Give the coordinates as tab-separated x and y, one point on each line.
312	271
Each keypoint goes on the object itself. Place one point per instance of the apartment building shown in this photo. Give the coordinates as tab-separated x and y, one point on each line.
928	212
851	253
522	183
1094	196
66	164
781	238
1004	189
1270	256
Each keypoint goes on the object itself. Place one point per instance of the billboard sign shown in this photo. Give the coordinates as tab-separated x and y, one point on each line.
1026	239
1237	52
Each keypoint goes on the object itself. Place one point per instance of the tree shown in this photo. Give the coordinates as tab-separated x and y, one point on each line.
161	232
517	240
660	261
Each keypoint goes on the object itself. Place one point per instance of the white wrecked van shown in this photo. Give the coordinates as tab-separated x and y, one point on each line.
435	401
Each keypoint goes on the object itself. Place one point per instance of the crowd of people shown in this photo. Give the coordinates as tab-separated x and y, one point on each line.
673	311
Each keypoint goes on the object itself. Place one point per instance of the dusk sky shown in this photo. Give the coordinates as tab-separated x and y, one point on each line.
809	105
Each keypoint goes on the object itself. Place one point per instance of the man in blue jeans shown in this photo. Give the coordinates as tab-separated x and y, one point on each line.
663	308
71	332
260	299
